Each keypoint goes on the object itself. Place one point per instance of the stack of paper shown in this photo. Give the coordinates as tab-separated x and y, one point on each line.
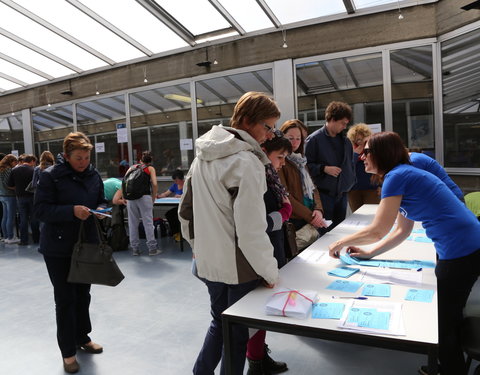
290	302
374	317
389	276
347	259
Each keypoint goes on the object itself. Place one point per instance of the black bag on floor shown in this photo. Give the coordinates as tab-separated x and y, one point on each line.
93	263
115	230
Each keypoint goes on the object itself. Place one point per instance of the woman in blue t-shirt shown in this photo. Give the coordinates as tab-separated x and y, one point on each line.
410	194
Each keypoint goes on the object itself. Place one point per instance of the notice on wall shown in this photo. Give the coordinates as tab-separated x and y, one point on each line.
186	144
122	135
100	147
15	152
375	128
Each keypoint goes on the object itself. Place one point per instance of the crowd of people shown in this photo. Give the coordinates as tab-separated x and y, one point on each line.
247	181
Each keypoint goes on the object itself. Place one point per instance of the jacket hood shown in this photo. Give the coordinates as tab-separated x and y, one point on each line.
222	141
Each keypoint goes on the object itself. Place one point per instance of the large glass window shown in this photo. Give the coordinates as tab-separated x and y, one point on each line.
412	97
161	121
461	100
11	134
99	120
356	80
50	126
217	97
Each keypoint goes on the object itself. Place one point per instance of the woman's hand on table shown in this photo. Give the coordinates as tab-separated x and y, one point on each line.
317	219
357	252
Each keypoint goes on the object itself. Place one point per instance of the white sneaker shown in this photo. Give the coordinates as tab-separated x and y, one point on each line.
155	252
12	240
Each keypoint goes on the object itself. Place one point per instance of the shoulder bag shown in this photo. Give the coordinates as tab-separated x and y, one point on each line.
93	263
291	249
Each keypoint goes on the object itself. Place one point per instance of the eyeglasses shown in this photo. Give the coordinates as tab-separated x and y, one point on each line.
270	129
366	151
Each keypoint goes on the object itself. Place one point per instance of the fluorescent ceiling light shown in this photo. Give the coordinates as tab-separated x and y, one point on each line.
181	98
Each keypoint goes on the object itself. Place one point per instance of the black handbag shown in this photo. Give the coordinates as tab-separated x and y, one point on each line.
291	249
93	263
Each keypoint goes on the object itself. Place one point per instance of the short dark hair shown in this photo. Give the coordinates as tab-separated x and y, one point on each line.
387	150
338	110
178	174
146	157
277	143
28	158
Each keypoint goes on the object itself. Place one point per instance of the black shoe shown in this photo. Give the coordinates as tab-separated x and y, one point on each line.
23	243
423	370
273	366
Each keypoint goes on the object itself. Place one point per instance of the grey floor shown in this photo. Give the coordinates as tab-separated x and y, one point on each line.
152	323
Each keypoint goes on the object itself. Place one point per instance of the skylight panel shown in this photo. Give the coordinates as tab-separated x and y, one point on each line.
36	34
32	58
304	9
198	16
136	21
19	73
248	14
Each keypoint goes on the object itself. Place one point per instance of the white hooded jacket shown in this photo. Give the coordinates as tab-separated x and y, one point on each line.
222	211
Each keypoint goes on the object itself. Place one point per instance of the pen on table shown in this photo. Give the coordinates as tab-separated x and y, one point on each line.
351	297
418	270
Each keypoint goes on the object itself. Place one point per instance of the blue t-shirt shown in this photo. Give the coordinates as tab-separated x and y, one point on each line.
452	227
428	164
175	190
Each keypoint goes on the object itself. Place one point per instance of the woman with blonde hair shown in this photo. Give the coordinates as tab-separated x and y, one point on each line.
365	190
8	199
307	210
46	160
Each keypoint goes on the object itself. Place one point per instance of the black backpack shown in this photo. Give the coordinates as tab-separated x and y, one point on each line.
136	183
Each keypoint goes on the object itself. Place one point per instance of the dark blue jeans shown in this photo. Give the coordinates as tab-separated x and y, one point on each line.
72	302
223	296
334	208
25	209
455	279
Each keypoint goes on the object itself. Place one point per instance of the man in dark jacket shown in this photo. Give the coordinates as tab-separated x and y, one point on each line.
330	161
20	177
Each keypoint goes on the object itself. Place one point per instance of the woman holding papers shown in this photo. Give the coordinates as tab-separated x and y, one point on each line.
65	195
410	194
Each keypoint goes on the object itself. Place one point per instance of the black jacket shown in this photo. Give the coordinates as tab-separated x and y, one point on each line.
320	153
275	234
59	189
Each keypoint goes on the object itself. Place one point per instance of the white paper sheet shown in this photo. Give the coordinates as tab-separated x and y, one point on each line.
395	328
312	257
391	276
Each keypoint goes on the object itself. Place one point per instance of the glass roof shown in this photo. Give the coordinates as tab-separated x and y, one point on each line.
49	39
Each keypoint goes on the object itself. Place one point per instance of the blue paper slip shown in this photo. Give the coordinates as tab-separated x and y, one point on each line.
376	290
345	286
102	211
422	239
408	264
343	271
323	310
420	295
422	231
369	318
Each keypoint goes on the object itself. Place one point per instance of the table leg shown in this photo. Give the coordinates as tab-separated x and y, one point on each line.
433	359
227	345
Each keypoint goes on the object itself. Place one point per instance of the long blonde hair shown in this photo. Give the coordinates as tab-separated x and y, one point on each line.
46	160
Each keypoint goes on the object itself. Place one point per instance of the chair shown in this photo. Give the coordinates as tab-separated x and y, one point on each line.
471	341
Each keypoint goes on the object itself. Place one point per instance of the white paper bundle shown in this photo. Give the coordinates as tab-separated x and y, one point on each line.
290	302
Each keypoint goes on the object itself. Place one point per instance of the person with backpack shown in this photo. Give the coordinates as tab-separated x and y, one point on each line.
139	188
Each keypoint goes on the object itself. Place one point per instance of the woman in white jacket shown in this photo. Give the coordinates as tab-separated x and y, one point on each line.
223	217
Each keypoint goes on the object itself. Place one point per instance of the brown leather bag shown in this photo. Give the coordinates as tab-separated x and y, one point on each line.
291	249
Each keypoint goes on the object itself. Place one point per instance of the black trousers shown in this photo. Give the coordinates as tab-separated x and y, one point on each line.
72	303
455	279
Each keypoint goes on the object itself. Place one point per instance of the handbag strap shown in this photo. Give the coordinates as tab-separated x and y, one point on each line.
101	236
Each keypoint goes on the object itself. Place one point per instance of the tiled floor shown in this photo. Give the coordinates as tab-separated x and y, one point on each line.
153	323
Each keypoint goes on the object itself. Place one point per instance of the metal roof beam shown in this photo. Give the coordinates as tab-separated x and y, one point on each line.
225	14
13	79
349	6
169	21
213	91
263	82
26	66
40	51
271	16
